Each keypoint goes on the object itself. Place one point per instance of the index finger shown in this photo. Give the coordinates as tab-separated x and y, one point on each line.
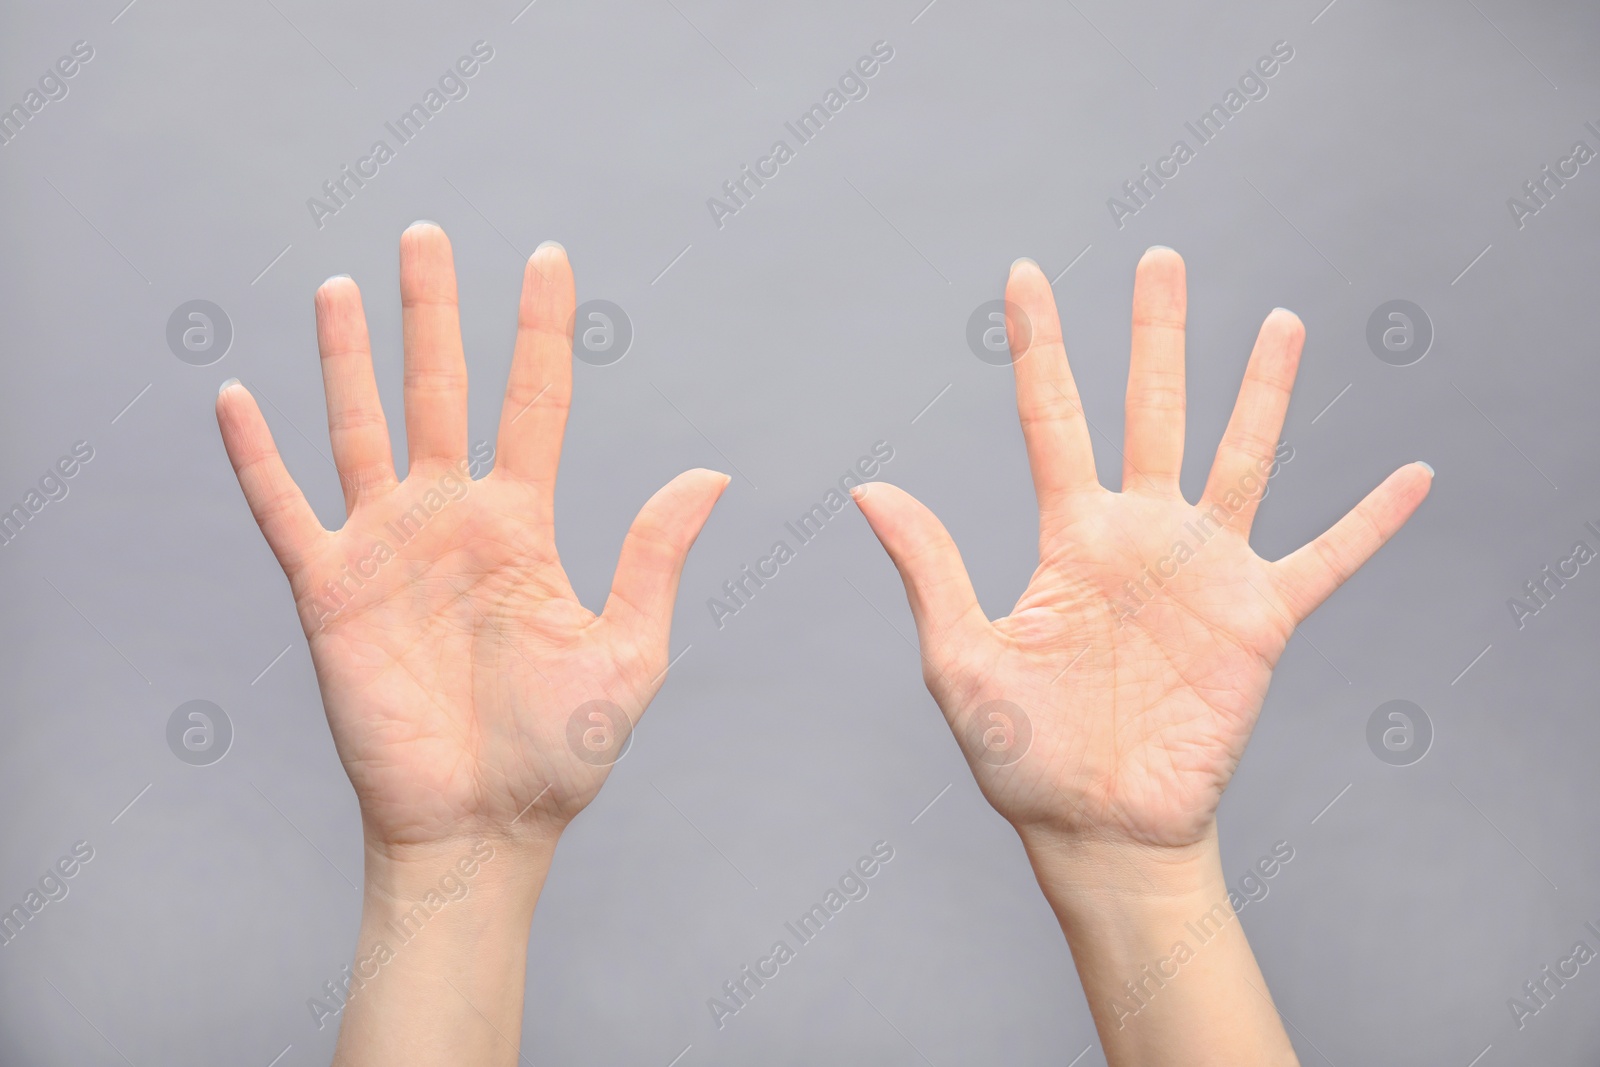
1053	425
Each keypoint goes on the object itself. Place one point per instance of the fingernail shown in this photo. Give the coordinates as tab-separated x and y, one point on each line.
857	492
1426	466
424	222
336	277
557	245
1017	262
225	386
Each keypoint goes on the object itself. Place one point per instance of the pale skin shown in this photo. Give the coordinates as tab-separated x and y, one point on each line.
1139	700
451	667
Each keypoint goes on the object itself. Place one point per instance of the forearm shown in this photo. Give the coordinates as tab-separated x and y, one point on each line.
442	954
1165	965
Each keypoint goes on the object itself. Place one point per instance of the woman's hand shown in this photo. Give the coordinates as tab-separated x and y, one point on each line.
1117	697
476	705
1106	714
450	648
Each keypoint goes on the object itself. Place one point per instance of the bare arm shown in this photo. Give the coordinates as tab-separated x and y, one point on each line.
1106	714
1165	965
477	706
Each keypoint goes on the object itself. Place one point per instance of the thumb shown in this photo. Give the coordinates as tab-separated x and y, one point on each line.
646	583
937	587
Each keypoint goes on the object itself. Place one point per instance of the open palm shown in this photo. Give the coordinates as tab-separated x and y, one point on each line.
1118	696
468	690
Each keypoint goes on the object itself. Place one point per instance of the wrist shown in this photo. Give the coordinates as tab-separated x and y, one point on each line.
1164	963
1100	873
442	948
489	878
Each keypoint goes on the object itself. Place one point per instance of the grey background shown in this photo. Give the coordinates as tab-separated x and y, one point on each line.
823	317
